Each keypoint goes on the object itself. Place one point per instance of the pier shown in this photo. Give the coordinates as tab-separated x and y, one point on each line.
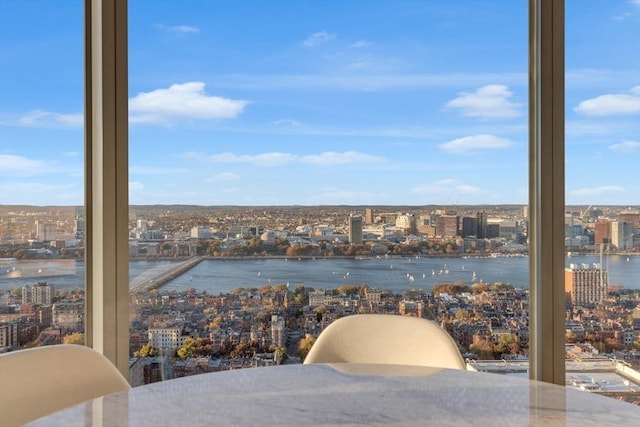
156	277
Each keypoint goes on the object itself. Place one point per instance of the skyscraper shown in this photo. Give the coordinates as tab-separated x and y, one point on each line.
622	235
602	232
368	216
447	225
355	229
469	226
482	225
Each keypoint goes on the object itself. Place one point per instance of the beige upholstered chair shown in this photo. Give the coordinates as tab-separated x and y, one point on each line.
42	380
386	339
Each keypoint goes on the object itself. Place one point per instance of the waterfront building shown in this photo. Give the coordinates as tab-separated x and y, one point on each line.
585	285
622	235
355	229
482	232
45	231
201	232
244	232
268	238
576	242
469	226
447	225
632	217
493	231
40	293
408	224
509	230
602	232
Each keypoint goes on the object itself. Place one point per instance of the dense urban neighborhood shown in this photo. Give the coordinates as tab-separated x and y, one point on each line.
178	332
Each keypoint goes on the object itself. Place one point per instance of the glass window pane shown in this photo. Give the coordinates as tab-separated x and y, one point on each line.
294	162
41	174
602	275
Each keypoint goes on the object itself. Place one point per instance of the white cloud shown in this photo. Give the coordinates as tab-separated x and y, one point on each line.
135	186
41	118
636	2
488	102
184	29
475	142
145	170
327	158
223	177
31	193
358	82
264	159
20	165
334	195
595	191
178	28
360	44
186	101
611	104
626	146
622	16
334	158
287	122
447	186
318	38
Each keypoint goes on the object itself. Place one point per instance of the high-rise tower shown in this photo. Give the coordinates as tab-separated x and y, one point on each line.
355	229
585	285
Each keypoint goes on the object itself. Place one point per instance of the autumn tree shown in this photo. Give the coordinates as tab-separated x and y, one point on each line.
483	349
147	350
507	344
74	338
499	286
194	347
215	322
478	288
348	290
305	346
281	355
462	314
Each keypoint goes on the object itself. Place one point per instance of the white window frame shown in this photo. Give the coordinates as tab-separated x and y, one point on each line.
106	194
106	180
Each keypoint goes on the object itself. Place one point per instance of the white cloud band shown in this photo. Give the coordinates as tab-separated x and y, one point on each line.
186	101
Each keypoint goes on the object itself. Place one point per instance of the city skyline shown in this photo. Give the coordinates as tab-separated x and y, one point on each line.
290	103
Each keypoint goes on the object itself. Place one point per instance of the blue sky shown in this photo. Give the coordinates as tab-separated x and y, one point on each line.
322	102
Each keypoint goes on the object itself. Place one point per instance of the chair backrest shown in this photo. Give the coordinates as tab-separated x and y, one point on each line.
386	339
38	381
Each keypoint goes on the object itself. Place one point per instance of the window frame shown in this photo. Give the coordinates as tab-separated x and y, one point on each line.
106	189
106	175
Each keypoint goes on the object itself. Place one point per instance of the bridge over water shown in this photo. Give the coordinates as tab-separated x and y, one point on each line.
155	277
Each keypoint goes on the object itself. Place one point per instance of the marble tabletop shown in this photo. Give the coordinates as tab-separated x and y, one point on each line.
348	395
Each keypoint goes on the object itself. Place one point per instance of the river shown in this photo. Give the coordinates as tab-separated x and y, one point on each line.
395	274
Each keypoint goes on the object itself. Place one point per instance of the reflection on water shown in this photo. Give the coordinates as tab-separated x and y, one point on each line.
35	270
394	274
